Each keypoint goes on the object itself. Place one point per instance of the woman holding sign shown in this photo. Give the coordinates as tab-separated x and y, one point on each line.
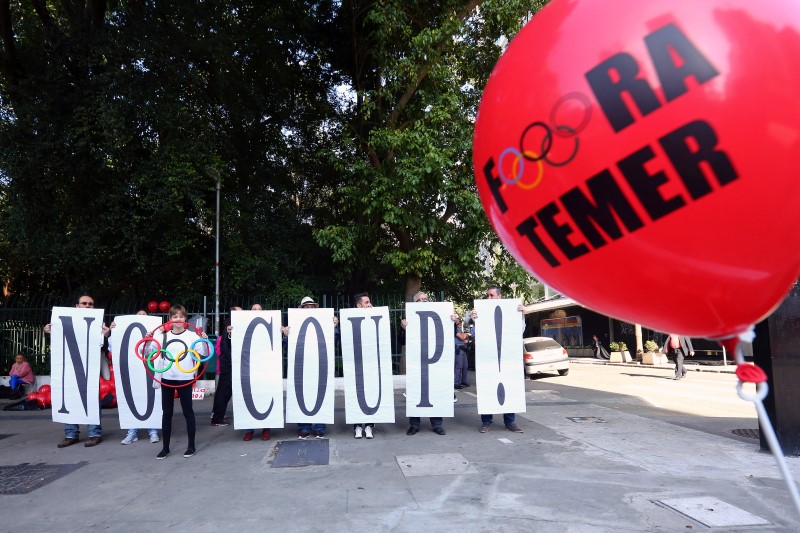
174	362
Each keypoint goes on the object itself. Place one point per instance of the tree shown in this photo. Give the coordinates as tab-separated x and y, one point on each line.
408	205
115	115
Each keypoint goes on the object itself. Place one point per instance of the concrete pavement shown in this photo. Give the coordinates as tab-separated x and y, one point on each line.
580	466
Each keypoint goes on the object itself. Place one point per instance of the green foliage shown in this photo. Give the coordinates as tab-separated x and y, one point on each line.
340	131
409	199
617	346
650	346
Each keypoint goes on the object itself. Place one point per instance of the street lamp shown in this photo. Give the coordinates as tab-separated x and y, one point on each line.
214	173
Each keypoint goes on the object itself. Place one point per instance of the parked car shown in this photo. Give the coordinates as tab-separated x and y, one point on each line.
543	354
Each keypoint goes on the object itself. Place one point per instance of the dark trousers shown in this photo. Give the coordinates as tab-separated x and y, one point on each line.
168	406
436	422
461	365
222	396
679	370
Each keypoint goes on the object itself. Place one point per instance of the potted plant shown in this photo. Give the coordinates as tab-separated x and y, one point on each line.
652	354
619	352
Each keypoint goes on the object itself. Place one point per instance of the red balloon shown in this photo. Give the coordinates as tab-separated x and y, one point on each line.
164	306
640	157
33	396
105	387
40	399
47	399
152	306
45	389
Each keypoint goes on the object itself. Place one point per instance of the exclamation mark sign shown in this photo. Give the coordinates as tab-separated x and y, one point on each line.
498	334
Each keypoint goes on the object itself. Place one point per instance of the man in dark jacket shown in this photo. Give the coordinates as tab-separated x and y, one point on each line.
681	346
224	384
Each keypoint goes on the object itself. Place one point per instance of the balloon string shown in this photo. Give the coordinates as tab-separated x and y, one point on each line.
745	374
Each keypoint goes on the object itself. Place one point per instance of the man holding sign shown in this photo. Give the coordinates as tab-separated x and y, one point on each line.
430	361
76	358
498	358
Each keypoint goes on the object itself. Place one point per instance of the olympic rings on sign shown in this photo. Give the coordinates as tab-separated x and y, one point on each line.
211	349
587	112
145	340
180	358
153	356
551	132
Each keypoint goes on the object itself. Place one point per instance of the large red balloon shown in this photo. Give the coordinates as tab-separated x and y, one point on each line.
152	306
45	389
164	306
641	157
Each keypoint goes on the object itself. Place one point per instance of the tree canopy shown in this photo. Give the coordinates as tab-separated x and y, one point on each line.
340	132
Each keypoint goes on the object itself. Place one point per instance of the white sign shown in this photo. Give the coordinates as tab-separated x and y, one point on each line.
309	385
138	402
76	337
367	365
430	359
499	369
257	365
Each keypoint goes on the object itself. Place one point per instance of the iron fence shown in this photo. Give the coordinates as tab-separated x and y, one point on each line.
22	324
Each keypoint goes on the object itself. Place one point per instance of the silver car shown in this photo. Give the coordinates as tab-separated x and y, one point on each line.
543	354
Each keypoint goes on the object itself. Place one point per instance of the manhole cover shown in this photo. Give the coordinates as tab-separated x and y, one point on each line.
747	433
586	419
24	478
301	453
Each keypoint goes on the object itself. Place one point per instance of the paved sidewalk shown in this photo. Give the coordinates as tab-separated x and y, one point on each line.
579	467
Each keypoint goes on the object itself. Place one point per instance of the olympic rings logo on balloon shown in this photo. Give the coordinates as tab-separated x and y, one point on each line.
542	153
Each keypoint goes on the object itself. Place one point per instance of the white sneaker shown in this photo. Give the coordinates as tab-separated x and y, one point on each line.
358	432
129	439
154	437
368	432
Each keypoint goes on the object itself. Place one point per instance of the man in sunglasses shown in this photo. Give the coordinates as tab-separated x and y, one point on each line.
72	431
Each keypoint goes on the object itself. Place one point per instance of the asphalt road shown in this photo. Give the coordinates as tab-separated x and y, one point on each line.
705	401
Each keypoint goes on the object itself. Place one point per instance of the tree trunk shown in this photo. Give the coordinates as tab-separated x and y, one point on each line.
413	286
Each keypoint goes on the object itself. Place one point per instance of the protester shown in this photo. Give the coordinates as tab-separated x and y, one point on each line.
461	363
72	433
248	434
509	419
175	377
133	433
304	430
224	390
414	421
361	300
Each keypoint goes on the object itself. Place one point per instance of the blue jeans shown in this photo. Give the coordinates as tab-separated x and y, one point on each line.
134	432
317	427
508	419
73	431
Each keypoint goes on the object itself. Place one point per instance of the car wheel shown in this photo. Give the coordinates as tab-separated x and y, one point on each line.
563	372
